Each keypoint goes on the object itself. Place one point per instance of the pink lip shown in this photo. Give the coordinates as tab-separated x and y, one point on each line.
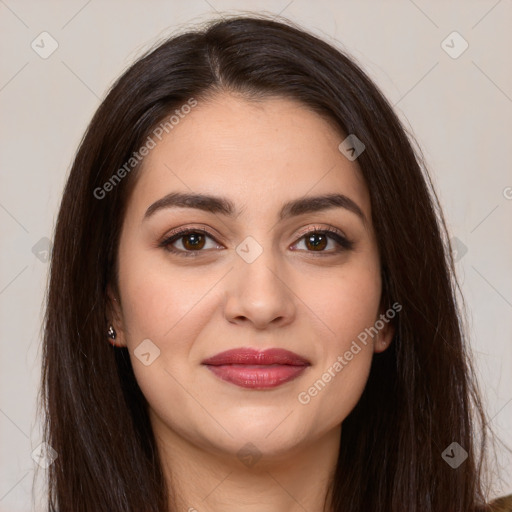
249	368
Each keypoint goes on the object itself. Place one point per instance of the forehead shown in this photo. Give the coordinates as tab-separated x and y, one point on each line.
259	153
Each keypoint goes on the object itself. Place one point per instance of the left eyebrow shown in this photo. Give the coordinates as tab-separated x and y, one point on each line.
223	206
319	203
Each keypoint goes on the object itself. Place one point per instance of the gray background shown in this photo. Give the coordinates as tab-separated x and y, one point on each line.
460	110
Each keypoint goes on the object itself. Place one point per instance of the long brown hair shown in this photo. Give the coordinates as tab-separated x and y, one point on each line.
421	395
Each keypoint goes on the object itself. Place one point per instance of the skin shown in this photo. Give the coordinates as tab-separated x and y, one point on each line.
259	155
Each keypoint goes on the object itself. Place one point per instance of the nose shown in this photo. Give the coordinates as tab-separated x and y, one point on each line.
260	292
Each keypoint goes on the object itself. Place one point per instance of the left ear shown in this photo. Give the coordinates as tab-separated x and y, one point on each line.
386	332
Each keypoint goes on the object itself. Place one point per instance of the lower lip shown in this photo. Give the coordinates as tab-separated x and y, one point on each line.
257	376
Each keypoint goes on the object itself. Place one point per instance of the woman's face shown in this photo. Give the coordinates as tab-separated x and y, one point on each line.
250	278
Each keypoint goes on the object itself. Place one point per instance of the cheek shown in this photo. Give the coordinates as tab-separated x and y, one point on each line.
348	308
171	311
169	307
346	300
339	378
158	300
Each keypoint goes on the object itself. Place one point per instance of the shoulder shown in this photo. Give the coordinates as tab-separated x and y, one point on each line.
503	504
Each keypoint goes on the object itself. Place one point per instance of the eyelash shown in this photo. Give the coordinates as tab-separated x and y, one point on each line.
344	243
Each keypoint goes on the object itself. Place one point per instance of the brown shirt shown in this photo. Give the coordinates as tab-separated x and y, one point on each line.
502	504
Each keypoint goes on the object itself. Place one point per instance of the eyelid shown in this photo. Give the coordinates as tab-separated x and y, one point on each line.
199	228
315	228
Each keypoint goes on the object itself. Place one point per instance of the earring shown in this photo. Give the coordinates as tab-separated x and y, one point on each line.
111	332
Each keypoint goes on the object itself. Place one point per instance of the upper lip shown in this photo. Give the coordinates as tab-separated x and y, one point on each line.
255	357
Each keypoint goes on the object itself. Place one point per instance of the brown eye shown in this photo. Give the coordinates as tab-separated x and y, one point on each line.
189	242
316	241
193	241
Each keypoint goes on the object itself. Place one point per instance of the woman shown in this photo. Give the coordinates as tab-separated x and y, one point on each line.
247	223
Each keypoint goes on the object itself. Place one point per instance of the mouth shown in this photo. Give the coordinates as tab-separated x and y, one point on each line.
249	368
